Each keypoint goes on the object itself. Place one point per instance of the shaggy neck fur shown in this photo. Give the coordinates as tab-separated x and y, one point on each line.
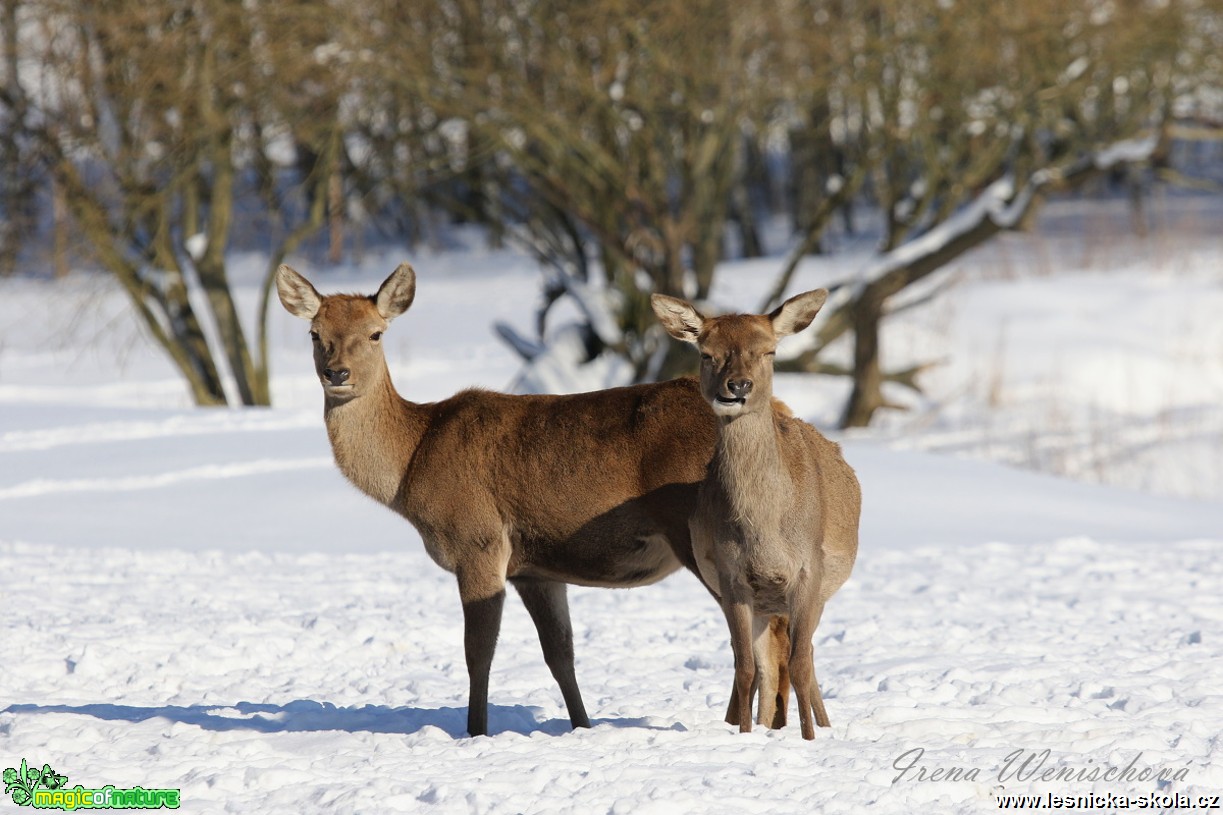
751	470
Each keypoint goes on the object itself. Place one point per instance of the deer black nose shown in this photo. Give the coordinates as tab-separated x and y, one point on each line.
336	377
739	388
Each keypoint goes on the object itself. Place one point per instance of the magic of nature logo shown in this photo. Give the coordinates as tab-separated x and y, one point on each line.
47	789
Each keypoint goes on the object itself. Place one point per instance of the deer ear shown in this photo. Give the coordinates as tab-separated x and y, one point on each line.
797	313
681	320
296	294
396	292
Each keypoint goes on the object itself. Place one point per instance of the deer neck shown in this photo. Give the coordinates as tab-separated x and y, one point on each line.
750	470
373	438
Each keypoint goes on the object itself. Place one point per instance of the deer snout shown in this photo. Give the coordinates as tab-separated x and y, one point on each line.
739	388
731	398
336	376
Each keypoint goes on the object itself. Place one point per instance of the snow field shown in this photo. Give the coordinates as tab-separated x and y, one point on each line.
197	599
336	683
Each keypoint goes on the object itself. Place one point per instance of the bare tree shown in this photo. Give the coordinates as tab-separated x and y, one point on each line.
605	137
17	187
616	131
964	117
155	120
621	133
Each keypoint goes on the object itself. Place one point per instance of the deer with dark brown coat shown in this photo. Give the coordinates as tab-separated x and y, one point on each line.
776	524
593	489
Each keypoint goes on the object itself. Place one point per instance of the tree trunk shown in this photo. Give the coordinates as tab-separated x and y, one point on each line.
217	182
679	360
16	191
811	232
335	217
706	252
59	230
752	172
166	312
186	345
867	394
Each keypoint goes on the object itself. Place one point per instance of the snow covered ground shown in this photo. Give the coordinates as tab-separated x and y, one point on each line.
184	602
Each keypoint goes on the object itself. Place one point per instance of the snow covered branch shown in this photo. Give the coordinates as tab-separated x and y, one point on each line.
997	208
860	304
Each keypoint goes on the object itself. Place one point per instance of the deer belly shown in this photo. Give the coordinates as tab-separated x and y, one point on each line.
618	563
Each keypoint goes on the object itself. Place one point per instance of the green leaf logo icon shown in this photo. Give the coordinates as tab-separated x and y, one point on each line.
24	782
51	779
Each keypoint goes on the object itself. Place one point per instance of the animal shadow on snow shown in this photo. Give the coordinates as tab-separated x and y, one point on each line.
308	716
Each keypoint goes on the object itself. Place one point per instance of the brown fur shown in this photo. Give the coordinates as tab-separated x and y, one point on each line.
776	525
593	489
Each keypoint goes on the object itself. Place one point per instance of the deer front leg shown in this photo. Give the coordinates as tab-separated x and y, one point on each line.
802	669
739	617
483	597
549	609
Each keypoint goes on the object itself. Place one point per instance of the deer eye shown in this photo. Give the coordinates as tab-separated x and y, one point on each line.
377	335
314	336
706	357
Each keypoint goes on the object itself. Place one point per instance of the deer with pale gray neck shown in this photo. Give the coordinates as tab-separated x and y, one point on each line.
775	530
593	489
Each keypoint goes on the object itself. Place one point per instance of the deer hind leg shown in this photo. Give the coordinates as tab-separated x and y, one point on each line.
774	665
802	669
549	609
817	700
771	646
733	716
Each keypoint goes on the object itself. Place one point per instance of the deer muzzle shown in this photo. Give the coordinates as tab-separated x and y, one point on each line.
730	399
336	376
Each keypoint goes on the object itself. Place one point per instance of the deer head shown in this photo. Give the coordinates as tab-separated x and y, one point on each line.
737	349
347	329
